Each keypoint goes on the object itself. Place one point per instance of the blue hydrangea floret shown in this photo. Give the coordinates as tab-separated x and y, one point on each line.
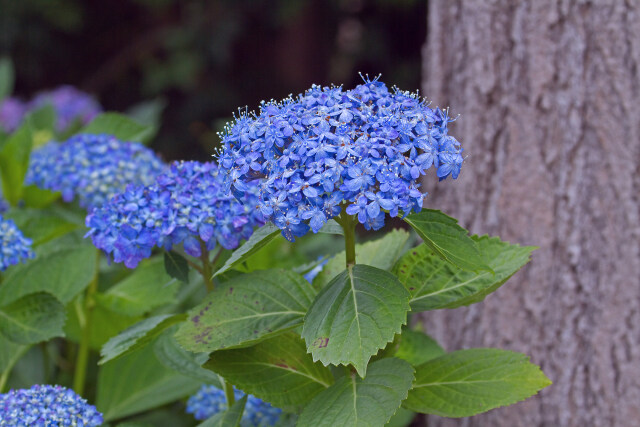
92	168
362	150
210	400
14	247
187	205
46	405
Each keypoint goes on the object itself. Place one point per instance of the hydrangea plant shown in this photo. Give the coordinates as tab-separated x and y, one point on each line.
313	336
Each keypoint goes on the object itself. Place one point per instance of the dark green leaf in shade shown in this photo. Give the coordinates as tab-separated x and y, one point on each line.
174	357
7	77
148	287
120	126
137	383
229	418
436	284
176	266
354	401
447	239
416	347
278	370
14	161
33	318
247	309
259	239
137	336
381	253
469	382
354	316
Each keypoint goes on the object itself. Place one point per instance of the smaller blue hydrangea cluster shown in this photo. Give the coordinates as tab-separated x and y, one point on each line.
361	150
187	205
92	168
46	405
12	111
70	104
14	247
210	400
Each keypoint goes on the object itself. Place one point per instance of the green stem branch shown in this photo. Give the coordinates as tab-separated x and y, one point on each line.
228	392
348	223
82	361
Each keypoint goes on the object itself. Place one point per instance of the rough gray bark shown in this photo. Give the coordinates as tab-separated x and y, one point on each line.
548	97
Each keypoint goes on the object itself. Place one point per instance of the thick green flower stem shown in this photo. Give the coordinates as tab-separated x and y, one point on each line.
228	392
82	360
348	223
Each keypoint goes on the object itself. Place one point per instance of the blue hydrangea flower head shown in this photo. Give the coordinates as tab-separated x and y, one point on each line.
70	104
14	247
210	400
362	150
187	205
12	111
46	405
92	168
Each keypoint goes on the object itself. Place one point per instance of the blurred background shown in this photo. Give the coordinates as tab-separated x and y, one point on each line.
199	61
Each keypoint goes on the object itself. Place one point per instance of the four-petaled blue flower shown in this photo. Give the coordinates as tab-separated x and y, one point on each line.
14	247
363	150
187	205
210	400
92	168
46	406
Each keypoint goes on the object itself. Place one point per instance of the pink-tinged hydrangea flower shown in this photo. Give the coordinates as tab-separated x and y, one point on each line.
70	104
14	247
46	406
210	400
92	168
187	205
12	111
363	149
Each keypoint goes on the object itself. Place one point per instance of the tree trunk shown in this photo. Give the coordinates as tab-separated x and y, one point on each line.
548	97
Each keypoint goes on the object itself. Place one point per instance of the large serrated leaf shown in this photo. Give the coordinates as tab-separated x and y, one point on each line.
247	309
469	382
354	401
148	287
381	253
447	239
354	316
278	370
229	418
40	225
436	284
120	126
62	267
33	318
174	357
259	239
138	382
137	336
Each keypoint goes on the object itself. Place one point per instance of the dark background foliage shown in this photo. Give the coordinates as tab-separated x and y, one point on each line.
202	60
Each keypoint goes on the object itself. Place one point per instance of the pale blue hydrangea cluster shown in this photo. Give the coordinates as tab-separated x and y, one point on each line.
14	247
92	168
363	149
70	104
12	111
46	406
188	205
210	400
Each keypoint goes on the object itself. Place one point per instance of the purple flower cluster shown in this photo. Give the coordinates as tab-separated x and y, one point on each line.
364	149
14	247
186	205
45	405
210	400
12	111
92	168
70	104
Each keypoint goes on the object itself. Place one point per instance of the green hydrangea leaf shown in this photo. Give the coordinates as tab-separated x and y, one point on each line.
257	241
469	382
354	316
33	318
